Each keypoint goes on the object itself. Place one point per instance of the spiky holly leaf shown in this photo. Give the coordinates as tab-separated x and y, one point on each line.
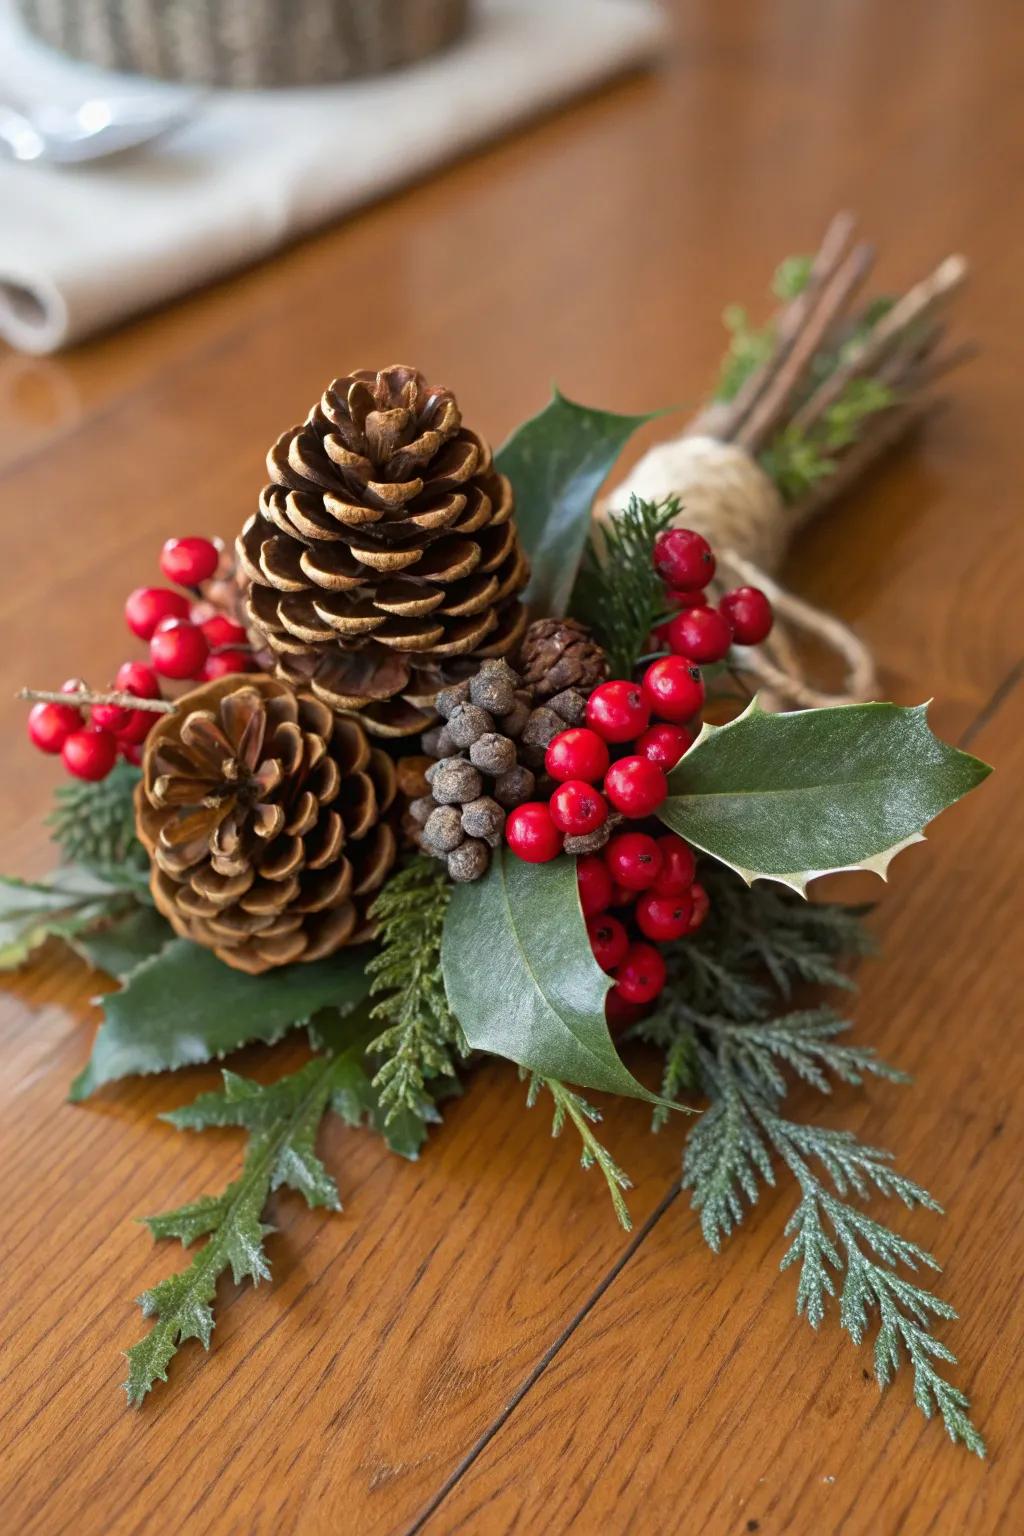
521	978
184	1006
68	904
794	796
557	462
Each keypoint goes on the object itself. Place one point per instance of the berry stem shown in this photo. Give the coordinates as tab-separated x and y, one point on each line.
86	696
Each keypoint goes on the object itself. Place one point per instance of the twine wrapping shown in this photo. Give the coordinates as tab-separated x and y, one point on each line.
727	497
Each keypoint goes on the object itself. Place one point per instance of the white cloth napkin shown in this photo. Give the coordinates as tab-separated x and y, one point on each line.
83	247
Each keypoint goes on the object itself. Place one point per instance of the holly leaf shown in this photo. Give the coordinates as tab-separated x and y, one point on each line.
71	901
557	462
184	1006
794	796
521	978
120	945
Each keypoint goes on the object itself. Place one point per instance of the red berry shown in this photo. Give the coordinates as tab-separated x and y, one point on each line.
178	649
135	677
748	613
641	975
189	561
531	834
694	598
678	866
701	903
577	754
663	918
578	808
700	634
219	630
617	711
138	726
635	786
132	754
634	860
619	1014
684	558
673	688
226	662
608	940
148	606
50	725
90	753
73	685
111	717
665	744
595	884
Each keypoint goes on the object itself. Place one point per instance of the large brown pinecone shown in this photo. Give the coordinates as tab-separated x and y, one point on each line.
265	817
384	551
560	653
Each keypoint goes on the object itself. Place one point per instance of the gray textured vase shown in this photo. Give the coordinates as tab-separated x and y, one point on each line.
247	42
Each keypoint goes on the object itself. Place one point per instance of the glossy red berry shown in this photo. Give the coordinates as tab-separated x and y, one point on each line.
665	744
748	613
135	677
641	975
226	662
635	786
701	903
137	727
608	940
634	860
577	754
619	1014
694	598
531	834
189	561
112	717
219	630
578	808
617	711
131	753
684	558
50	725
700	634
678	866
595	884
178	649
673	688
663	918
149	606
89	753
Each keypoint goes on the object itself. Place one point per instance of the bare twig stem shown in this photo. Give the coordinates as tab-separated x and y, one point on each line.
86	696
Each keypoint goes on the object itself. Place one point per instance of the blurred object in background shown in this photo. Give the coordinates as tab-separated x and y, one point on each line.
247	43
85	247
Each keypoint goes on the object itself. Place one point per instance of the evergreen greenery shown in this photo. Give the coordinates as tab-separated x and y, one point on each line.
94	823
572	1106
619	593
422	1037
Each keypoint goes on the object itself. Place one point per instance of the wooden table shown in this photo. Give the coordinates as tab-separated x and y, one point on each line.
473	1346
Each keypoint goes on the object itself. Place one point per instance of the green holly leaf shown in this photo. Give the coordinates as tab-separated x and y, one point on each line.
120	945
521	978
70	902
557	462
184	1006
794	796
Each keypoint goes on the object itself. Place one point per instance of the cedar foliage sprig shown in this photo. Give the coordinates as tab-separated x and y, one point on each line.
94	823
422	1036
573	1106
619	593
722	1039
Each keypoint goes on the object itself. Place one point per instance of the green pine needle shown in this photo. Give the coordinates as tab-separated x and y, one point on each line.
619	593
571	1105
94	823
422	1036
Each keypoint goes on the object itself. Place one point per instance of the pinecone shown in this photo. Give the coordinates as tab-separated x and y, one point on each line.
264	817
384	551
486	753
561	653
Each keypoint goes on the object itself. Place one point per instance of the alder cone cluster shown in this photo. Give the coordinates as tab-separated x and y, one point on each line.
384	554
266	818
560	653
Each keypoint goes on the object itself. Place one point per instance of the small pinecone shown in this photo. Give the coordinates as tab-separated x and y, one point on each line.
265	819
384	553
561	653
488	755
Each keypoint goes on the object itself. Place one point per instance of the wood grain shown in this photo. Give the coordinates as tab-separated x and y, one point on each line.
651	1385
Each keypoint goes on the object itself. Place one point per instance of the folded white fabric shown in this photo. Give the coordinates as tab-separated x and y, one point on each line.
83	247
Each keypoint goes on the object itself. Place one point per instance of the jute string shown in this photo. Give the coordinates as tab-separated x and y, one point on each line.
727	497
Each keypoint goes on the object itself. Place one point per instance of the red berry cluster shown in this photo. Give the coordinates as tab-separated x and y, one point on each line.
189	640
635	733
699	632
